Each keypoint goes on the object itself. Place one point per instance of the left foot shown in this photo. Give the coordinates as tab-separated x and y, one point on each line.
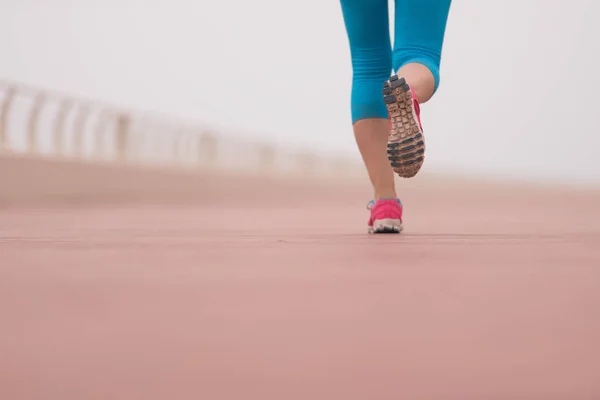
406	145
386	216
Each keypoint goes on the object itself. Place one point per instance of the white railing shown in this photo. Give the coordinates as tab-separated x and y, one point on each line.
39	122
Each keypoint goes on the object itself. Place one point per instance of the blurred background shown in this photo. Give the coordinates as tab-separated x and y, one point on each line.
124	281
518	96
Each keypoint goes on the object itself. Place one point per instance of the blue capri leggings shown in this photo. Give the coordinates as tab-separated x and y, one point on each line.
418	38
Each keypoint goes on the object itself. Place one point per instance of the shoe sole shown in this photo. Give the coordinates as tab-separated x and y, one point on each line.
386	225
406	144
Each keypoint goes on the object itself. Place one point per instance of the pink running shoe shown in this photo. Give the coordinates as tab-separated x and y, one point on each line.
386	216
406	145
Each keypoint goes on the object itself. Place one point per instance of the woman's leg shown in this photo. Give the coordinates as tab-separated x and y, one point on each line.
367	26
419	31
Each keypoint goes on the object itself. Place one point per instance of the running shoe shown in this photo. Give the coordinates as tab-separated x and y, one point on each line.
386	216
406	144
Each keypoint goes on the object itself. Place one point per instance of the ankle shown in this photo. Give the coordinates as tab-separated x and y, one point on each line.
420	79
385	194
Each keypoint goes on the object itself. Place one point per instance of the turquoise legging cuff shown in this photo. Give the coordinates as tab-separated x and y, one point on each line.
418	38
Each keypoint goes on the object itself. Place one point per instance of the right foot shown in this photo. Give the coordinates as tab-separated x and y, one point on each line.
406	145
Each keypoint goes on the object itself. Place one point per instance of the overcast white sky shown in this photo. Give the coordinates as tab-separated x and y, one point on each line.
519	77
